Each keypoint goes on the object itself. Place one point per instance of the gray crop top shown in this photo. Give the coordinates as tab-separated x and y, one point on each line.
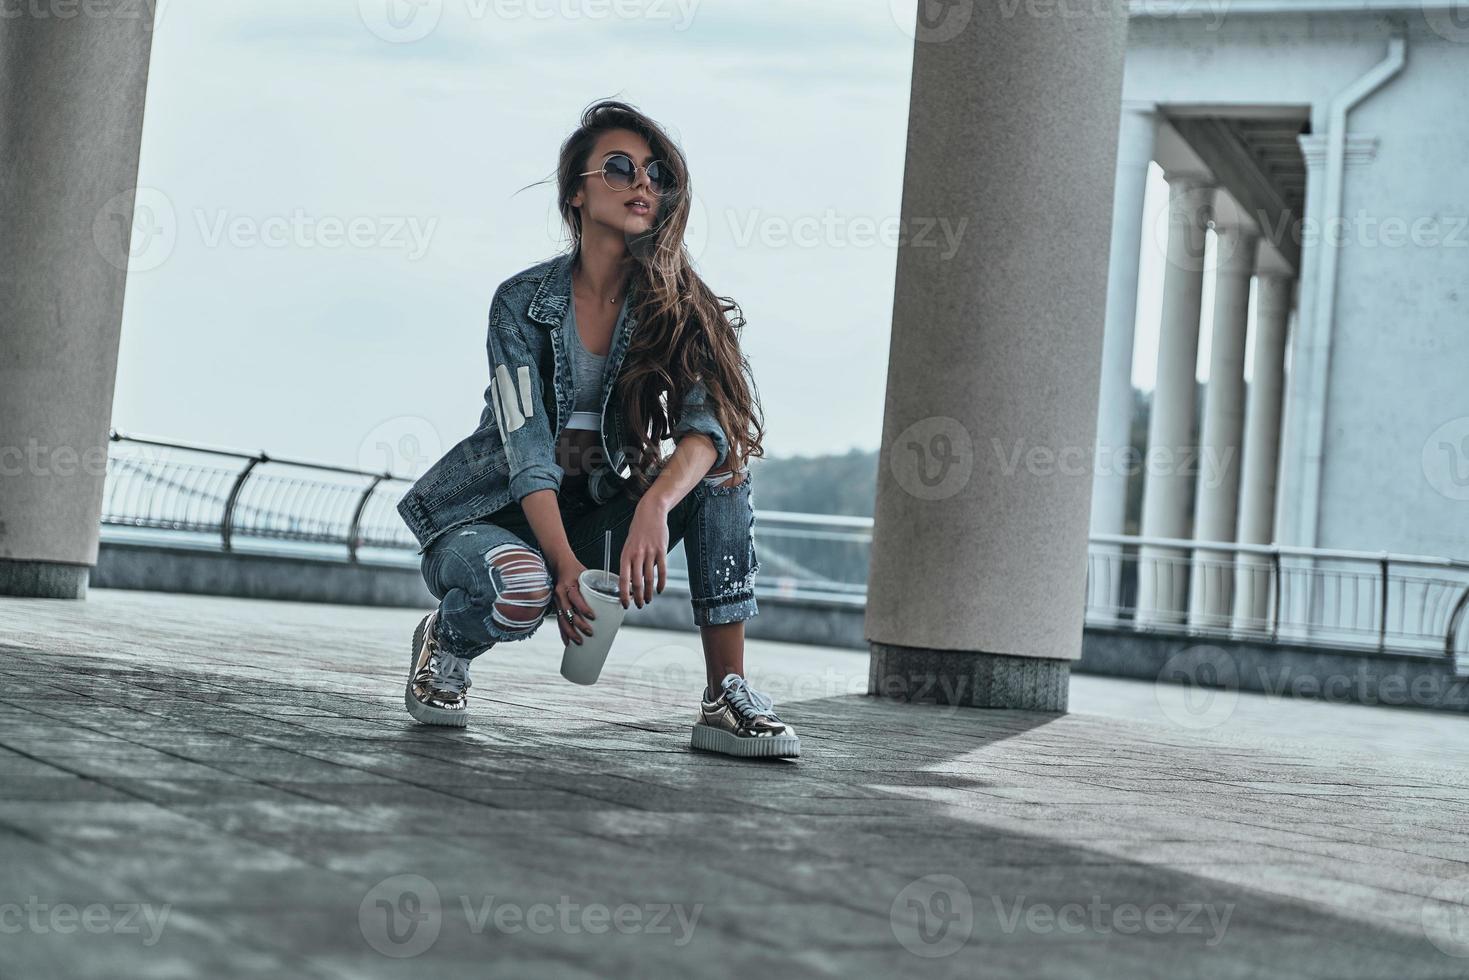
587	374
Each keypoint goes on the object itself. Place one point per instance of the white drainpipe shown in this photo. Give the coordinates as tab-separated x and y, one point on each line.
1336	151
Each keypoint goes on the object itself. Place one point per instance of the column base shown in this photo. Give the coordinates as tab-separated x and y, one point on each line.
968	678
44	579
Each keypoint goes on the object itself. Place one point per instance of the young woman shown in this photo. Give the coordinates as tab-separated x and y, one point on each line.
596	357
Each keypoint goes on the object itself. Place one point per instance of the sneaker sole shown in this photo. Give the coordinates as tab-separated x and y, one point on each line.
422	712
712	739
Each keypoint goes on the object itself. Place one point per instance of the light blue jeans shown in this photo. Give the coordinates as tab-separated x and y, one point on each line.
468	576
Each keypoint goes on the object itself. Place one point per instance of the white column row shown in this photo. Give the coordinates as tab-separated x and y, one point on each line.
1220	485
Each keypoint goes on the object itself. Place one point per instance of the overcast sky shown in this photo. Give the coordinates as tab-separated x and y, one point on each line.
328	200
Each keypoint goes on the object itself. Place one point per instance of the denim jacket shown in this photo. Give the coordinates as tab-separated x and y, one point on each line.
512	452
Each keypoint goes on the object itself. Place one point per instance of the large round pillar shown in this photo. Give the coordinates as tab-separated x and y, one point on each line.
1135	143
1262	449
71	114
1172	451
977	578
1216	497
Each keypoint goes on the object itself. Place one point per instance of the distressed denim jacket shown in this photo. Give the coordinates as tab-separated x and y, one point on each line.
512	452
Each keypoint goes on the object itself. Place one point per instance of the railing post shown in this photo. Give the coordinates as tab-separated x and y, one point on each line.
227	523
1382	624
1278	581
355	531
1451	632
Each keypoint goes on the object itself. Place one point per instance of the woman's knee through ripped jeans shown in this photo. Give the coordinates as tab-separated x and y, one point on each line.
493	586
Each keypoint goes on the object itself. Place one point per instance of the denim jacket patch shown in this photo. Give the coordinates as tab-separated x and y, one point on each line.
512	451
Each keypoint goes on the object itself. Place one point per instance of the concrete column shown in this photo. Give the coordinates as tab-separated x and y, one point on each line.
1262	450
1216	496
1167	486
1136	137
976	589
71	114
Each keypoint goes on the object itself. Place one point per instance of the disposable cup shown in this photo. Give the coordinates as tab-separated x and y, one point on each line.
582	662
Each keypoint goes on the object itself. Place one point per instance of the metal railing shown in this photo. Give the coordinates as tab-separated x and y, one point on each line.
1312	596
170	486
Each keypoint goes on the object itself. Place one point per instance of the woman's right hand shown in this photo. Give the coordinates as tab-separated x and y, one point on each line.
567	595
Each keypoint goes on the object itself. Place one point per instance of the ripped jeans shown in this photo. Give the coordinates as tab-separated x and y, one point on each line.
493	586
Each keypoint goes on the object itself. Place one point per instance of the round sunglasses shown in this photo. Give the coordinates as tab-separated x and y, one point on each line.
619	173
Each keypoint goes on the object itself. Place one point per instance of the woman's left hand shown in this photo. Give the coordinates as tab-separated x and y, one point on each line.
646	548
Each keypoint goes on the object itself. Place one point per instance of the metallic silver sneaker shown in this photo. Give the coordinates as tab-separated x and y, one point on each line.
438	681
743	722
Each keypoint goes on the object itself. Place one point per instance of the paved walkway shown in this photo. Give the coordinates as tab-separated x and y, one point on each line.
204	787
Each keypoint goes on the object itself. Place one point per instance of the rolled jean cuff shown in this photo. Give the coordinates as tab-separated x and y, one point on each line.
725	609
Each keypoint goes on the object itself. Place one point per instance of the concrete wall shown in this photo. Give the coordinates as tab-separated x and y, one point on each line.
204	571
1399	366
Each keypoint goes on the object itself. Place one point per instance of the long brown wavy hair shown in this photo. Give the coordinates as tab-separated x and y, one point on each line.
684	332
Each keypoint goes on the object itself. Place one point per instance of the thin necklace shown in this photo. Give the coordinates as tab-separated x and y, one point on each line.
612	300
